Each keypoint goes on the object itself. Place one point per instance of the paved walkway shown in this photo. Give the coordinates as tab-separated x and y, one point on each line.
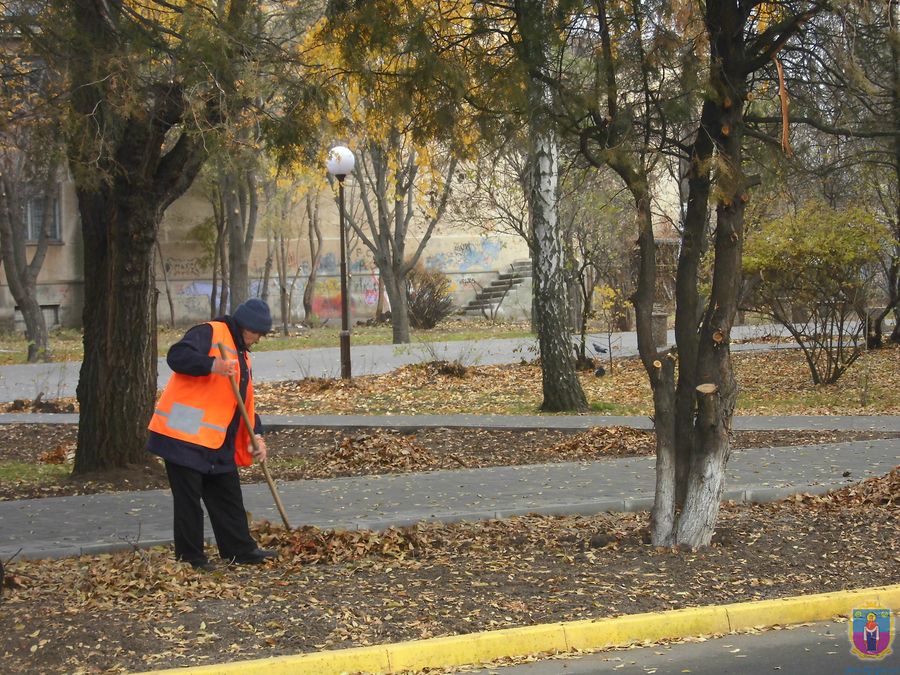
63	526
518	422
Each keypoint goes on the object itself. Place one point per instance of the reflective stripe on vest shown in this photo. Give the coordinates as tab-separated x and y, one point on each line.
198	409
187	419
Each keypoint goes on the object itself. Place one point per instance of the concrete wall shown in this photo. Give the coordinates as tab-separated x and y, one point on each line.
470	259
465	258
59	287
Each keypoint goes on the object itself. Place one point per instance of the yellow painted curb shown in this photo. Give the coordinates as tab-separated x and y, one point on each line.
562	637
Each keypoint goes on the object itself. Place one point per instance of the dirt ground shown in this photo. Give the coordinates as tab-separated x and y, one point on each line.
140	610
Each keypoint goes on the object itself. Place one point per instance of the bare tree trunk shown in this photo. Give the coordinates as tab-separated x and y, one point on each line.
687	294
216	202
36	333
281	273
379	305
662	515
238	280
214	290
660	370
533	318
280	254
119	318
315	254
717	387
561	386
242	210
396	291
894	272
706	479
162	266
267	268
21	275
587	281
223	259
293	285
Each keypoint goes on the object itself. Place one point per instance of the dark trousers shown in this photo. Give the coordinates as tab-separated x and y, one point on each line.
221	493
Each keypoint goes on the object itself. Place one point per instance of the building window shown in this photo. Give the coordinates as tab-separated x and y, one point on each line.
34	218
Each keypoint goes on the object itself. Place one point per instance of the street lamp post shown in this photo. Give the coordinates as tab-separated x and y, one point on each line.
340	162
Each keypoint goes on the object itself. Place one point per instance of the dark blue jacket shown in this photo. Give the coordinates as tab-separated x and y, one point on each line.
190	356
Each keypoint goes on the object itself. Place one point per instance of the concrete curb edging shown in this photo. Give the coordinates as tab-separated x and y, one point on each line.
592	634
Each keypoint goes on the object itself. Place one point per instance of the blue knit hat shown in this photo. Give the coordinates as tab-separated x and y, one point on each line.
254	315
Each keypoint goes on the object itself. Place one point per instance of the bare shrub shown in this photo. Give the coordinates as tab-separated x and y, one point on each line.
428	296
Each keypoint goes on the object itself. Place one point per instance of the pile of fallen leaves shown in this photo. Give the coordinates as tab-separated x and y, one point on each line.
442	368
311	545
369	453
876	491
40	405
62	454
110	580
605	442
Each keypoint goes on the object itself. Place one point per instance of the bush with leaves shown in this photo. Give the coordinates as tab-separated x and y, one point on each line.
428	296
813	271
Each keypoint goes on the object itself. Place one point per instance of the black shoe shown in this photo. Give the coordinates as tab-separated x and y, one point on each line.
203	566
256	557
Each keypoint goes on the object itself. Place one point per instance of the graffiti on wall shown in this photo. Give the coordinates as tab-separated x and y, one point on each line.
195	288
368	282
362	289
464	263
476	255
329	264
183	268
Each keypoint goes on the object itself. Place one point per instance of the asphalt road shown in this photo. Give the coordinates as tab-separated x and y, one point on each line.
817	649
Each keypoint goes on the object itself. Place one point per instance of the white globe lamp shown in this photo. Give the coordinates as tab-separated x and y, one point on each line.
340	161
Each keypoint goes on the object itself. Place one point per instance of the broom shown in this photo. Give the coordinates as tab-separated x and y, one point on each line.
249	424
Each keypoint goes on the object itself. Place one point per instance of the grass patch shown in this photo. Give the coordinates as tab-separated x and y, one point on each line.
779	383
288	462
24	472
607	408
65	345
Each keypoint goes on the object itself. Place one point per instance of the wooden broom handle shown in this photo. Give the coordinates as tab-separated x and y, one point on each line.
250	426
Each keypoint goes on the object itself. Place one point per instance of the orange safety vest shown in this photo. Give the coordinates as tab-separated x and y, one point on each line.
198	409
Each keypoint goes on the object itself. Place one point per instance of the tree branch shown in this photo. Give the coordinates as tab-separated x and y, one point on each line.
774	38
826	128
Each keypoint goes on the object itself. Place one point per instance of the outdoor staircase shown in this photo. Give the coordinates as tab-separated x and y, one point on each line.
490	297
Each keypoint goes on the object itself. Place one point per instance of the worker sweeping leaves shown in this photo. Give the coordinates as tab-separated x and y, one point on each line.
198	430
